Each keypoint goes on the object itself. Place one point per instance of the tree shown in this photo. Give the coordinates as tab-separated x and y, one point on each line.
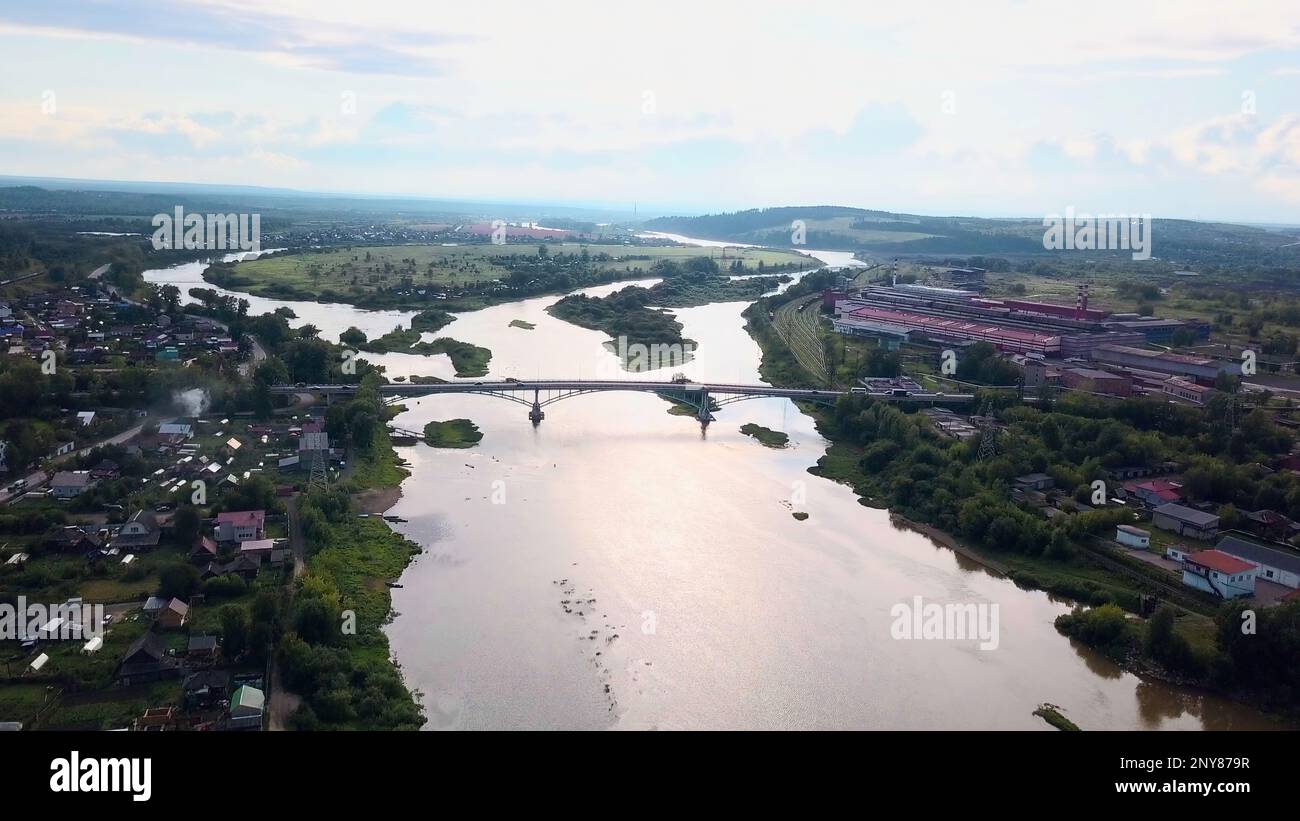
234	631
186	524
178	581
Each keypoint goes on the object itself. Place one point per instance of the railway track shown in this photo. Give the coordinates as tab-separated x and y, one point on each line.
796	323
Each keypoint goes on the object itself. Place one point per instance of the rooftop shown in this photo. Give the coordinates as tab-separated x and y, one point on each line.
1221	562
242	518
1287	560
1187	514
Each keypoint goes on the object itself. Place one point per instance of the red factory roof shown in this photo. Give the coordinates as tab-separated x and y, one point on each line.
953	325
1221	562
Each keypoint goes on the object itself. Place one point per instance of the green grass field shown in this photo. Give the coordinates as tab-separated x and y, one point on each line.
342	270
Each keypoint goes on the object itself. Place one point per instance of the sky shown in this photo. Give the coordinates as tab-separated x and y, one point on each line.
998	108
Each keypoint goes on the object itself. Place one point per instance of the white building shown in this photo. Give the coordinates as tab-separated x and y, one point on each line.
1219	574
1276	564
1133	536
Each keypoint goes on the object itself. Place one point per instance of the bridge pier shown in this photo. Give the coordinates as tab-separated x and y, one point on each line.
536	415
704	416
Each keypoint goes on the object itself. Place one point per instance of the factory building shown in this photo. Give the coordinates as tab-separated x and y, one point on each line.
1081	346
1200	369
1092	380
870	320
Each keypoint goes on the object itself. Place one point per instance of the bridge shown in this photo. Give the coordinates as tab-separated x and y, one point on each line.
703	397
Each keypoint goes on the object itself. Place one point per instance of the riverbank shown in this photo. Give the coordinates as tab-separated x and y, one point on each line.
892	469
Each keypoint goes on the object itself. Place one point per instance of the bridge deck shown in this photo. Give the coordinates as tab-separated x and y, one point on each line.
592	385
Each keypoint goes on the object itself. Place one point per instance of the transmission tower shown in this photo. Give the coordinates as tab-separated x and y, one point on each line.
988	435
319	478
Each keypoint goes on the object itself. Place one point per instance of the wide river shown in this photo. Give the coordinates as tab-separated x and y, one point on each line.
621	567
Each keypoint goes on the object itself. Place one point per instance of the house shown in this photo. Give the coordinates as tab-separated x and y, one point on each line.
203	647
204	550
147	660
1279	564
1155	492
1220	574
176	429
1034	481
245	567
106	469
1185	521
1133	536
69	484
73	538
153	605
1270	524
257	547
246	707
174	614
205	688
241	525
140	532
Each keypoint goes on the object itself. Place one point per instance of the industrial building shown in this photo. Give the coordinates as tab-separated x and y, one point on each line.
1095	381
908	325
1279	564
1200	369
934	313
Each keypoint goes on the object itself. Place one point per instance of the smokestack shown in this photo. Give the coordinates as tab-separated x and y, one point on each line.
1081	302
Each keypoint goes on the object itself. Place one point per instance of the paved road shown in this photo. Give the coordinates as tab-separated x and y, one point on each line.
281	703
100	271
40	478
35	480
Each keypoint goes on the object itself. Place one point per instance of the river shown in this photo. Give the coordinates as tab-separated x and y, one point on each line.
620	567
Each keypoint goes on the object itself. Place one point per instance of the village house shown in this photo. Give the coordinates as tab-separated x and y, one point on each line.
1034	481
73	538
246	706
202	647
241	525
69	484
105	470
1155	492
174	615
205	689
204	550
182	429
147	660
257	547
1270	524
140	532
